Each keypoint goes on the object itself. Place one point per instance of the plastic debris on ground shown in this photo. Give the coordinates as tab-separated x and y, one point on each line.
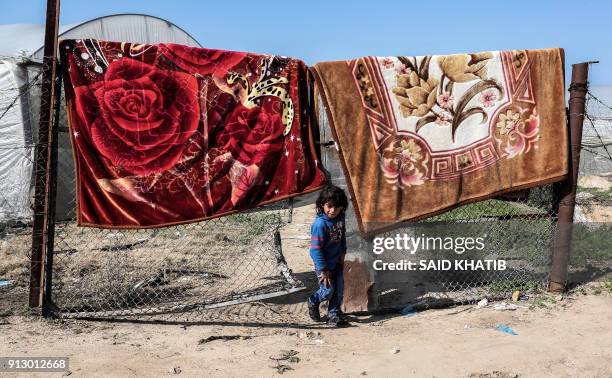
483	303
408	311
5	282
515	295
506	329
503	306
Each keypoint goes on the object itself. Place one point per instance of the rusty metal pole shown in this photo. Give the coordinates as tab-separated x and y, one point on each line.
51	197
43	158
565	192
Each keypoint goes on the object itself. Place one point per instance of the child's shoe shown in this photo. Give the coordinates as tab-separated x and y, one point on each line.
313	311
337	321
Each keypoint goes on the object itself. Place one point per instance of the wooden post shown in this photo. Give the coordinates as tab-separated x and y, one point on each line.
565	192
43	157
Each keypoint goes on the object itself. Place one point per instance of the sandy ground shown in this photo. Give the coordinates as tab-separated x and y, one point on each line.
557	337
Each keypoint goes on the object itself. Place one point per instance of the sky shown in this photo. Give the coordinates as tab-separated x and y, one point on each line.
317	30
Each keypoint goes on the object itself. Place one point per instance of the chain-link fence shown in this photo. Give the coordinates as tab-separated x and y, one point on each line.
514	252
591	257
20	83
178	272
229	260
595	181
515	229
233	269
195	272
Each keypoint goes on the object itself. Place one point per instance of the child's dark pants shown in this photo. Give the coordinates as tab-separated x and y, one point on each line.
333	294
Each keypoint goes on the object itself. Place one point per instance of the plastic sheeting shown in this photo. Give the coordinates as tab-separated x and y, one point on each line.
16	147
27	39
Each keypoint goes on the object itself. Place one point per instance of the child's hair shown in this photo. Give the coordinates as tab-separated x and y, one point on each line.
333	195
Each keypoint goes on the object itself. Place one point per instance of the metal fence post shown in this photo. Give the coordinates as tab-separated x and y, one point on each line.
565	192
43	157
52	196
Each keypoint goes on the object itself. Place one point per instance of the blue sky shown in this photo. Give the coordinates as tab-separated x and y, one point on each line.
316	30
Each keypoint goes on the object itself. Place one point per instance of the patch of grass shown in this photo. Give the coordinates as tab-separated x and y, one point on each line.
6	313
540	301
508	286
23	310
543	301
608	285
489	208
591	245
254	224
599	194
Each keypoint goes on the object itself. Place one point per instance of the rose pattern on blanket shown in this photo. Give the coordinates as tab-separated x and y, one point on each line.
168	134
132	127
437	117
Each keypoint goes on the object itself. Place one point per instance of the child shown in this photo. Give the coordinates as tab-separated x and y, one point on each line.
327	250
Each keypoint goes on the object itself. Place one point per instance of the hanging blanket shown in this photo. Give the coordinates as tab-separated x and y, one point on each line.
421	135
167	134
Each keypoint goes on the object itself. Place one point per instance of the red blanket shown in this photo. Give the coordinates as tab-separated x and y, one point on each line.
167	134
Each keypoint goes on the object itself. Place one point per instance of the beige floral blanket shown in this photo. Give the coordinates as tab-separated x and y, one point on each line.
421	135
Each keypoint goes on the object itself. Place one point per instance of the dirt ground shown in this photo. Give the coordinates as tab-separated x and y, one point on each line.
558	336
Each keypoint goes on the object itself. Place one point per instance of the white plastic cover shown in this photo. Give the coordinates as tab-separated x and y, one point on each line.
27	39
16	148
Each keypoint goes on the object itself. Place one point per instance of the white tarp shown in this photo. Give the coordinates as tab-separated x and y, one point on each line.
597	133
27	40
16	147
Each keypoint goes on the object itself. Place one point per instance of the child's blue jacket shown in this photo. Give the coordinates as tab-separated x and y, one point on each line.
327	241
